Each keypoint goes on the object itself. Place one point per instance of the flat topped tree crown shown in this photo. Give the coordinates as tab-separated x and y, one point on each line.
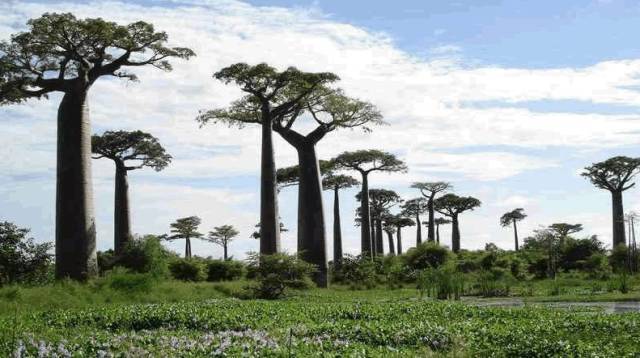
339	181
413	207
60	52
614	173
564	229
185	228
429	189
511	216
381	200
452	205
366	161
137	146
222	234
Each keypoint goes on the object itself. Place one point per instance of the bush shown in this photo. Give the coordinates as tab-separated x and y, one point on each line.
187	269
277	273
441	283
21	259
359	272
141	255
618	259
426	255
597	267
123	280
220	270
494	283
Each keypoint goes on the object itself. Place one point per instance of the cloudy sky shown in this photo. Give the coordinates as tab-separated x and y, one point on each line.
505	99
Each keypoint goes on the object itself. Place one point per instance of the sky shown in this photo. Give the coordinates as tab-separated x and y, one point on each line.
507	100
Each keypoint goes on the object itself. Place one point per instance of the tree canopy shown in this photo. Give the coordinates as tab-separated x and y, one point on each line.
563	230
613	174
381	200
429	189
366	161
514	215
185	228
413	207
338	181
452	205
142	148
222	235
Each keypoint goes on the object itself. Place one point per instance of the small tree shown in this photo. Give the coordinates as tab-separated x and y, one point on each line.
186	229
429	190
389	228
440	221
21	259
60	53
335	183
413	208
381	200
615	175
128	151
563	230
452	205
400	221
223	235
365	162
512	217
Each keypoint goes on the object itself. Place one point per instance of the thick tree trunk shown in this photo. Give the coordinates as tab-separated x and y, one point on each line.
75	221
392	250
418	230
374	251
337	231
224	248
121	213
515	233
187	248
365	225
311	225
430	227
269	220
618	219
438	234
455	234
379	240
399	239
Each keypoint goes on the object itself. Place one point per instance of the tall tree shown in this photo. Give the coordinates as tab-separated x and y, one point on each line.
413	208
381	200
271	97
563	230
129	151
400	221
429	190
185	229
390	228
440	221
60	53
335	183
452	205
615	175
223	235
365	162
511	218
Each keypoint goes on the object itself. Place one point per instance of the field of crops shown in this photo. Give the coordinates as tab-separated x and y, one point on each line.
318	325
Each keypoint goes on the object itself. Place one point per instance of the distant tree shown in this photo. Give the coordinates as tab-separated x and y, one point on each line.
452	205
335	183
366	162
400	221
563	230
547	242
381	200
271	97
122	147
440	221
60	53
511	218
413	208
615	175
390	228
223	235
429	190
21	259
185	229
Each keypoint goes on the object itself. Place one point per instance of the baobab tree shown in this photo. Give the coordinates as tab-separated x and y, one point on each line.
222	235
563	230
615	175
365	162
413	208
271	97
60	53
429	190
129	151
511	218
399	221
381	200
185	229
389	228
438	222
452	205
336	183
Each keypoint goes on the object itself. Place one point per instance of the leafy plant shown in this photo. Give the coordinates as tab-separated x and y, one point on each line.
277	273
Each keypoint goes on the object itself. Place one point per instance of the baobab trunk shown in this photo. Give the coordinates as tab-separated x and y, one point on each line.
438	234
455	234
269	221
365	225
418	230
311	226
618	218
75	221
379	240
392	250
224	248
399	239
373	238
122	214
430	231
515	233
337	231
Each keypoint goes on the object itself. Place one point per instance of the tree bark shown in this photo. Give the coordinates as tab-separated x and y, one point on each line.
438	234
455	234
224	248
269	220
418	230
121	212
430	226
365	225
75	220
187	248
337	231
515	233
374	251
399	241
392	250
379	240
618	218
311	224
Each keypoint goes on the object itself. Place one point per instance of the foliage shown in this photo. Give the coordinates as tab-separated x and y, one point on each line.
443	282
122	146
141	255
185	228
358	272
426	255
277	273
222	235
369	160
618	258
21	259
224	270
123	280
613	174
451	204
514	215
187	269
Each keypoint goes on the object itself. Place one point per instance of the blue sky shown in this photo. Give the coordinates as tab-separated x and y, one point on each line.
508	100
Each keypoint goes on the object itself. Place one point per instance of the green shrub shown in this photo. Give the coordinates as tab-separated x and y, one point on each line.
443	282
21	259
187	269
597	266
220	270
426	255
121	279
277	273
141	255
618	259
496	282
359	272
